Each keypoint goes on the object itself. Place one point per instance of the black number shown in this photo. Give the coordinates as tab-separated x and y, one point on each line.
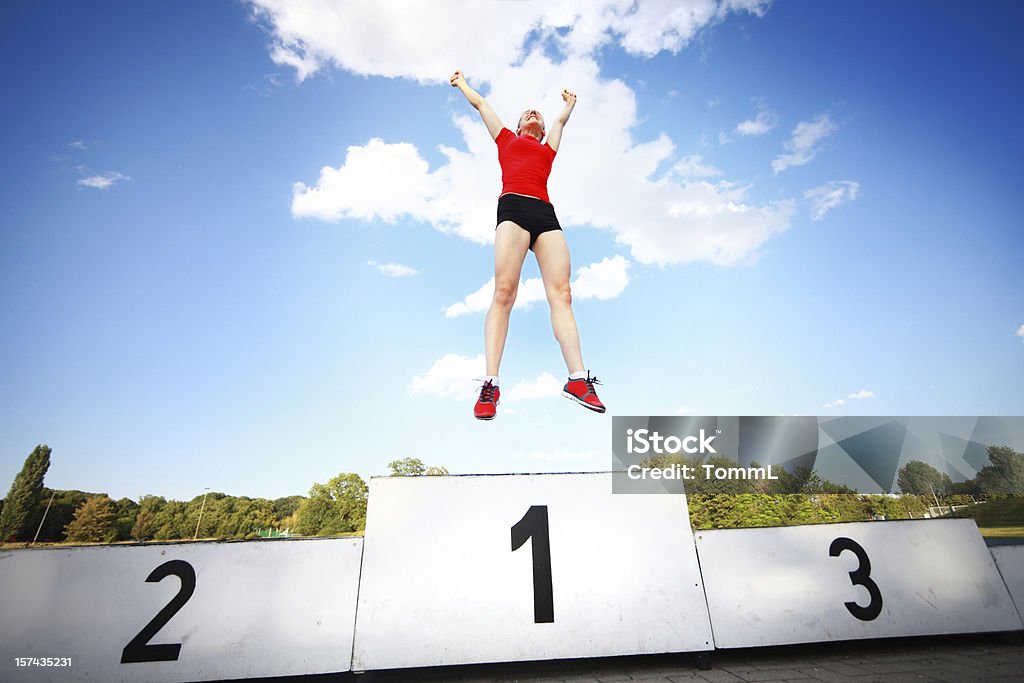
139	649
861	576
534	524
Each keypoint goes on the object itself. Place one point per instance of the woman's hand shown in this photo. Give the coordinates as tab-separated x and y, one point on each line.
458	79
569	97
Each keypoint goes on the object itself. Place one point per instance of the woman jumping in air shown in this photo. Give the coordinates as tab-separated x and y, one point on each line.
526	220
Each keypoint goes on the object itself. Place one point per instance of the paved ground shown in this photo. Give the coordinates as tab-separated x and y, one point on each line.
948	658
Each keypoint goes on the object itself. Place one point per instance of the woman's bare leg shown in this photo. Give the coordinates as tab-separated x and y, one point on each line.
553	259
511	243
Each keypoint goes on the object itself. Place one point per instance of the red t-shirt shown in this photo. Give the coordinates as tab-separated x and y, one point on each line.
525	164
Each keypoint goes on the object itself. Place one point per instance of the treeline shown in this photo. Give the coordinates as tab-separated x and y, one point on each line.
1004	475
339	506
804	497
738	510
32	511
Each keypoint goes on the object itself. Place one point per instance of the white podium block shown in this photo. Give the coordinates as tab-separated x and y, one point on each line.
776	586
177	612
1009	561
472	569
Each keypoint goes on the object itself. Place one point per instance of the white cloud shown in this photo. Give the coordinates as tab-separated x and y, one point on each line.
692	166
363	187
459	377
393	269
420	40
102	181
424	41
664	219
830	195
1020	333
452	376
603	280
647	28
862	394
545	386
805	142
764	122
77	144
683	410
480	300
529	292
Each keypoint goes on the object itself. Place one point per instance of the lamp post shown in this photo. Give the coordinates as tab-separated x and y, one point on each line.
46	512
201	508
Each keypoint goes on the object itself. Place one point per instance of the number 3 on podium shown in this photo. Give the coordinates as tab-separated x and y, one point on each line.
861	576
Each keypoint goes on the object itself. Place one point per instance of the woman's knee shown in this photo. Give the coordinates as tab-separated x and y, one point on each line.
559	294
505	294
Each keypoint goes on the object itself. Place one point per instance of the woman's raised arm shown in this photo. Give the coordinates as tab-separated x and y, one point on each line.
491	120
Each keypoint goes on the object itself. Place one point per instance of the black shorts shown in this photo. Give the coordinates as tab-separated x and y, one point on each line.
534	215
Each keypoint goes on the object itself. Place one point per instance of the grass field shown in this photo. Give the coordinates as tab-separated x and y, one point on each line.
1006	512
1002	531
999	518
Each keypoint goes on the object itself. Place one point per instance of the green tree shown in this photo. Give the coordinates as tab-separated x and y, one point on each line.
286	507
967	489
145	525
286	512
125	511
1005	474
804	480
921	479
24	495
62	511
334	508
173	521
844	507
95	522
258	514
414	467
407	467
916	506
208	514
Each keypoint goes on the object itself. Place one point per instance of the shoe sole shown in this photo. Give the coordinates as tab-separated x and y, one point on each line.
484	418
575	399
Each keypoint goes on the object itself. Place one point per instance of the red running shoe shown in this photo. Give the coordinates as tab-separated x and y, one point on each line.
582	391
487	405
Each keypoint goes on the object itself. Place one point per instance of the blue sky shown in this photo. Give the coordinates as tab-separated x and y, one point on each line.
191	300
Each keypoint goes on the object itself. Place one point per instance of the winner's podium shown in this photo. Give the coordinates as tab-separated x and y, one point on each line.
492	568
470	569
